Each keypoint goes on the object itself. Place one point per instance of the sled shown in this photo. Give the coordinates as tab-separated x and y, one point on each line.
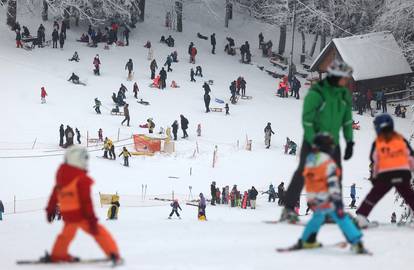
117	113
220	101
216	109
246	97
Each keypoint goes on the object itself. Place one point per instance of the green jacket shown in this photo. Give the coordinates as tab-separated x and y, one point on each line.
327	109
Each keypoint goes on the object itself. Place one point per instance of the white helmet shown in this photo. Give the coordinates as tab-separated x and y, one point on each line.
77	156
339	68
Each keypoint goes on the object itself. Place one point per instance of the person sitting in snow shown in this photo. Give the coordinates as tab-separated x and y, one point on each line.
74	78
175	206
75	57
199	71
156	82
174	84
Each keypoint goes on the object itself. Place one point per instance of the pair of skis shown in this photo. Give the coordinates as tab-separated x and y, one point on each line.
79	262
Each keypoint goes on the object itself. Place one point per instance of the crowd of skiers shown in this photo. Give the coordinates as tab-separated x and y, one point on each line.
67	136
233	197
289	85
370	101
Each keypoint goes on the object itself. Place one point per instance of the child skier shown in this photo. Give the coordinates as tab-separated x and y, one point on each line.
126	155
43	95
97	106
175	206
324	196
72	192
392	159
202	208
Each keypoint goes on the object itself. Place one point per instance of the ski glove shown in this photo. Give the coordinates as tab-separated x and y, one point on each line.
349	150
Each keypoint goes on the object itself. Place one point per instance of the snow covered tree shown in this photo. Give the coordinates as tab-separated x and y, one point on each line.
11	12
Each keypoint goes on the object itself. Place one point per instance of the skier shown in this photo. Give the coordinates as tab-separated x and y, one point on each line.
55	38
243	86
1	210
175	206
199	71
126	154
353	195
163	78
135	90
226	107
126	114
207	102
268	135
97	106
392	159
168	63
43	95
213	43
199	130
324	195
184	126
272	193
78	135
153	67
61	135
202	208
96	63
281	193
192	75
74	78
77	209
75	57
175	129
130	67
252	197
213	193
61	40
322	99
233	92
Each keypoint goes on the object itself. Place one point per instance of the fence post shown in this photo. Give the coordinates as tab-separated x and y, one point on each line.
87	139
191	171
173	195
214	156
34	143
14	204
100	201
118	133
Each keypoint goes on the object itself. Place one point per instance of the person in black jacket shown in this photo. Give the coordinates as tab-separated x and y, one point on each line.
281	193
184	126
130	67
74	78
206	88
213	193
153	67
207	100
126	35
199	71
192	75
163	78
61	134
213	43
61	39
175	129
296	87
78	135
252	197
55	38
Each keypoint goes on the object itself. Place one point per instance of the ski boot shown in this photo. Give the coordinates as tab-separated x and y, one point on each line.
359	248
362	222
306	245
289	216
48	259
116	260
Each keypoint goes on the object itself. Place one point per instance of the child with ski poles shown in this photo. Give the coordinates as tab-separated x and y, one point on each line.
175	206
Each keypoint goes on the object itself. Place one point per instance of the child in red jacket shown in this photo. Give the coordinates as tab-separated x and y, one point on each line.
43	95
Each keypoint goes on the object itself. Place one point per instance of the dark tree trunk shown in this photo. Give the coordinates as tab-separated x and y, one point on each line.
141	7
282	40
179	12
227	15
11	13
312	51
323	42
45	11
66	17
302	56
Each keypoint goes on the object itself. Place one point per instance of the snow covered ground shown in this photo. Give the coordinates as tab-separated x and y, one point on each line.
232	237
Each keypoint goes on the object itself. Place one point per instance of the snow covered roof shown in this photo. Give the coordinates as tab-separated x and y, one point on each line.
373	55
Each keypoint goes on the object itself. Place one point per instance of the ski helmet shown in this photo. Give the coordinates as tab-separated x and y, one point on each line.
323	142
340	69
383	122
77	156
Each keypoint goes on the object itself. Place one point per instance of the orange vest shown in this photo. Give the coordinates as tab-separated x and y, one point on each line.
68	196
391	155
316	179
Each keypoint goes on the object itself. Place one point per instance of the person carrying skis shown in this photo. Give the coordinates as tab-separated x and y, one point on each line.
126	154
175	129
74	78
213	43
96	63
202	208
268	135
184	126
97	106
43	95
327	96
126	115
324	196
130	67
175	206
72	192
353	196
78	135
393	159
153	67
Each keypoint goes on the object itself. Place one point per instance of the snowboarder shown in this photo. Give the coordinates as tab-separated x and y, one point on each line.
175	129
392	159
202	208
192	75
213	193
227	108
78	135
322	98
213	43
61	135
184	126
97	106
353	196
55	38
168	63
43	95
163	78
153	67
75	57
126	154
135	90
268	135
252	197
96	63
175	206
324	195
77	209
126	114
74	78
199	71
207	102
130	67
281	193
